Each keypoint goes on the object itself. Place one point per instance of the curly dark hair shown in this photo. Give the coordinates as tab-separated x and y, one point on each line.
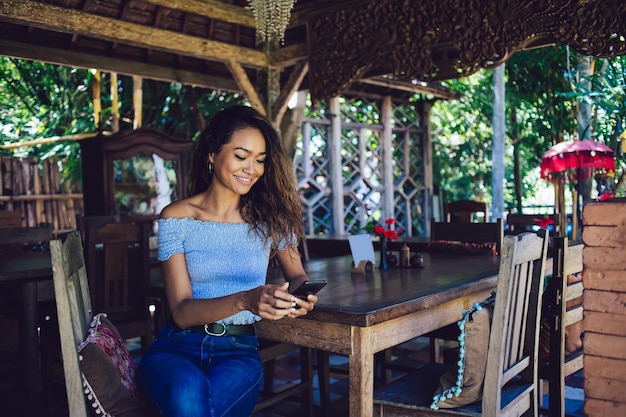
272	207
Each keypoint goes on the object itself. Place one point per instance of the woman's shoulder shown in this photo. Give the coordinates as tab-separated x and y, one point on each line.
179	209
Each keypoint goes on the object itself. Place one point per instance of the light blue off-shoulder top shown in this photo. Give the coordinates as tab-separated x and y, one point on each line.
222	258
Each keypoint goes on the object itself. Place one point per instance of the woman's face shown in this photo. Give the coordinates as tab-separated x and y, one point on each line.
240	163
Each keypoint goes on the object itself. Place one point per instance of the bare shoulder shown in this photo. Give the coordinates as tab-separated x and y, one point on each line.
179	209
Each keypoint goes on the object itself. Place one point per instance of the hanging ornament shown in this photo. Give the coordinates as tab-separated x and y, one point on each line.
272	18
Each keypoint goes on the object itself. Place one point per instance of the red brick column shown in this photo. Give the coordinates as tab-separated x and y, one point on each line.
604	303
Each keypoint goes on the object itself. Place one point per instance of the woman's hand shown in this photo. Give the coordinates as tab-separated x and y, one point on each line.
272	302
303	306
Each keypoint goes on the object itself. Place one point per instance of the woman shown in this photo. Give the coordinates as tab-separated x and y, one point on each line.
215	247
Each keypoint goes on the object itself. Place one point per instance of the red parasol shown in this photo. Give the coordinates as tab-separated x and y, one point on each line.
575	154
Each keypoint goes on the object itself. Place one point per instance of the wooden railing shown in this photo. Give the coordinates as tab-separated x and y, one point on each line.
36	190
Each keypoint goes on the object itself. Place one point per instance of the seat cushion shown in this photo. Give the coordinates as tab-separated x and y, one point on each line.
414	391
464	385
108	372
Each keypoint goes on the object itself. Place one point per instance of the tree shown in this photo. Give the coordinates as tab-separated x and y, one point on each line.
538	114
40	100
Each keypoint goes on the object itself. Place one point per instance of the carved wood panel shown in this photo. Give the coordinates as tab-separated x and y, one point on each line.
444	39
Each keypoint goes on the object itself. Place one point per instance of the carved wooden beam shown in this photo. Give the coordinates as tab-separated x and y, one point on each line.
450	38
76	22
244	83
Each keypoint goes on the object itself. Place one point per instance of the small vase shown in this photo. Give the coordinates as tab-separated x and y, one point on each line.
383	254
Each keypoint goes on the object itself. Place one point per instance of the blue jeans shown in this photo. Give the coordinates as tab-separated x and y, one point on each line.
193	374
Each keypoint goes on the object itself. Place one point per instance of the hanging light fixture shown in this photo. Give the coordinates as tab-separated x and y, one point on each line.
272	18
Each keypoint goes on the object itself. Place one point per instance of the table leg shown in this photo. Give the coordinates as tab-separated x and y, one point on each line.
361	373
30	347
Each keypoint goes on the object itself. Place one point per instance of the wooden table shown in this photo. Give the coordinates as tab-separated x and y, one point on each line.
359	315
31	272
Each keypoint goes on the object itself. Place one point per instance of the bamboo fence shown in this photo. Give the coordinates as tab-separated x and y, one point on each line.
36	190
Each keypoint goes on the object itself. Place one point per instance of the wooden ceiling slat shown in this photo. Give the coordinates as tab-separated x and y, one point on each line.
212	9
122	66
58	19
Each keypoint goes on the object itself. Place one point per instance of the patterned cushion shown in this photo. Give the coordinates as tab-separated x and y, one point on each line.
108	372
464	385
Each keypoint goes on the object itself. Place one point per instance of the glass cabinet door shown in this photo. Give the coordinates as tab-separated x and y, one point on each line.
144	184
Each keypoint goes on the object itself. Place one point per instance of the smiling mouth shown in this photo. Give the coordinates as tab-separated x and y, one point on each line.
243	179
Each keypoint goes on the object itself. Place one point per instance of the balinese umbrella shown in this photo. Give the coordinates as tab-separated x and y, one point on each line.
582	156
576	160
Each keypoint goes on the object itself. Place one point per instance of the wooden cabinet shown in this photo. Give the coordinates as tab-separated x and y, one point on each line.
134	173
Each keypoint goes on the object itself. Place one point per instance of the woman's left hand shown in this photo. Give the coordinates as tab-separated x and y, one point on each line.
303	306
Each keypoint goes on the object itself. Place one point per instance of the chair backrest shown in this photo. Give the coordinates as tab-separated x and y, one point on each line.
85	222
490	232
13	239
118	266
74	313
514	338
10	219
568	260
464	211
518	223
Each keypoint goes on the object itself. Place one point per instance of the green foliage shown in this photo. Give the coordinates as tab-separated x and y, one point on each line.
538	114
461	133
608	95
40	101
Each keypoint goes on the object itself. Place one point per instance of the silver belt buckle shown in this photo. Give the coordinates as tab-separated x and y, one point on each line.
222	333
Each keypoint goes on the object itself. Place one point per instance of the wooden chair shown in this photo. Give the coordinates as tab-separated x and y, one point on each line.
14	238
568	260
518	223
477	236
96	366
477	233
34	345
117	259
465	211
510	381
74	312
271	351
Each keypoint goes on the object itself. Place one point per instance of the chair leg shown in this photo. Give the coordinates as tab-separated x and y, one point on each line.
323	379
435	350
306	378
268	376
383	359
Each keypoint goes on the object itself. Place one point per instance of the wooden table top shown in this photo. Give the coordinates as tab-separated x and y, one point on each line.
371	298
25	266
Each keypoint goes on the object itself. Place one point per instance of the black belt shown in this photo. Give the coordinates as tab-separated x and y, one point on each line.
219	329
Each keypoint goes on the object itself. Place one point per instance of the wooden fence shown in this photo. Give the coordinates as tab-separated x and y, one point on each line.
35	189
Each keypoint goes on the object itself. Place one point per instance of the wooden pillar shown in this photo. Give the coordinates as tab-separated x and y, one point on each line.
115	113
427	157
336	179
268	88
387	121
97	102
137	101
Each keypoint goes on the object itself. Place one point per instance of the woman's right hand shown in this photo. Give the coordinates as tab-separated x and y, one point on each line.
272	302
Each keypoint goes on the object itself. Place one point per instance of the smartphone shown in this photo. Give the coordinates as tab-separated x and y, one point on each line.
308	287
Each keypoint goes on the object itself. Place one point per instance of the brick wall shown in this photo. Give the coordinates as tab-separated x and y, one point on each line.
604	302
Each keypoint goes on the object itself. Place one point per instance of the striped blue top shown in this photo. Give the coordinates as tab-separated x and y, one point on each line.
222	258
